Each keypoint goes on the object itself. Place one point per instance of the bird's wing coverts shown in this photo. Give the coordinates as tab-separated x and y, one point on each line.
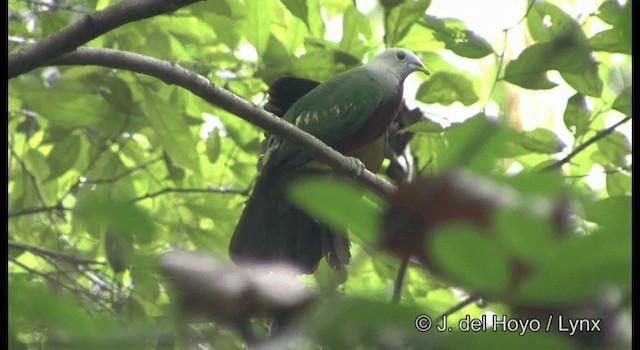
330	112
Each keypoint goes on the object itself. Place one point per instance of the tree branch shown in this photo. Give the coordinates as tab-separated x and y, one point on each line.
173	74
53	254
222	190
86	29
581	147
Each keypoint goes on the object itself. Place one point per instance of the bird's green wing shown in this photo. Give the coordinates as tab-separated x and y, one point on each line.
332	111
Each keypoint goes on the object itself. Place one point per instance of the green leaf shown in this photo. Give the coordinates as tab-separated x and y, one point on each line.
618	184
63	156
446	88
529	70
610	12
470	258
612	212
581	268
399	19
425	126
610	40
576	115
257	26
622	103
614	148
168	122
119	249
214	146
547	22
528	237
316	24
299	9
96	211
339	204
354	24
541	140
457	38
587	82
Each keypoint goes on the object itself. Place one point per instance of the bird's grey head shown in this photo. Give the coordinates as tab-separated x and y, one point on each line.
400	62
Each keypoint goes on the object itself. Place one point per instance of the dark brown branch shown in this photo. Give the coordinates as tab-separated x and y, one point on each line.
461	305
221	190
172	73
86	29
29	211
589	142
53	254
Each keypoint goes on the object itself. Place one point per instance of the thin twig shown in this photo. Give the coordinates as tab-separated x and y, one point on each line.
30	211
50	253
221	190
397	286
581	147
461	305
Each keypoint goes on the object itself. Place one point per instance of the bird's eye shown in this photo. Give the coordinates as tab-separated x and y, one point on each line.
401	55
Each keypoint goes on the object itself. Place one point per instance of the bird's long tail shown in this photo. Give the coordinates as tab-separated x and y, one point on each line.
272	229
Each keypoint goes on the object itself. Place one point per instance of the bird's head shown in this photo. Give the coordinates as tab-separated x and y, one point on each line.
399	61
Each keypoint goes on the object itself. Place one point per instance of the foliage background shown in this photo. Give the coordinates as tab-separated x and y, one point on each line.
109	168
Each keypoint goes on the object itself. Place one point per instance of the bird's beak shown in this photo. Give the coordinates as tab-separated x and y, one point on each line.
421	68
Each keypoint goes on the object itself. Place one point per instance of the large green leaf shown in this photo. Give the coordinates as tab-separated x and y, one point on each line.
399	19
470	258
622	103
169	124
339	204
576	115
257	25
457	38
614	148
299	9
354	25
547	22
446	88
63	155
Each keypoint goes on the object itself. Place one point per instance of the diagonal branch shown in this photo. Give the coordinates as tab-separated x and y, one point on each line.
602	133
173	74
86	29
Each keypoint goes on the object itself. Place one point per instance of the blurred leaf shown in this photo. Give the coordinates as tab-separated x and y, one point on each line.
528	237
610	40
425	126
119	249
63	156
446	88
530	68
354	24
214	146
610	11
612	212
457	38
587	82
339	204
95	209
169	124
615	148
581	268
622	103
618	184
346	323
399	19
576	115
299	9
540	140
470	258
257	25
547	22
